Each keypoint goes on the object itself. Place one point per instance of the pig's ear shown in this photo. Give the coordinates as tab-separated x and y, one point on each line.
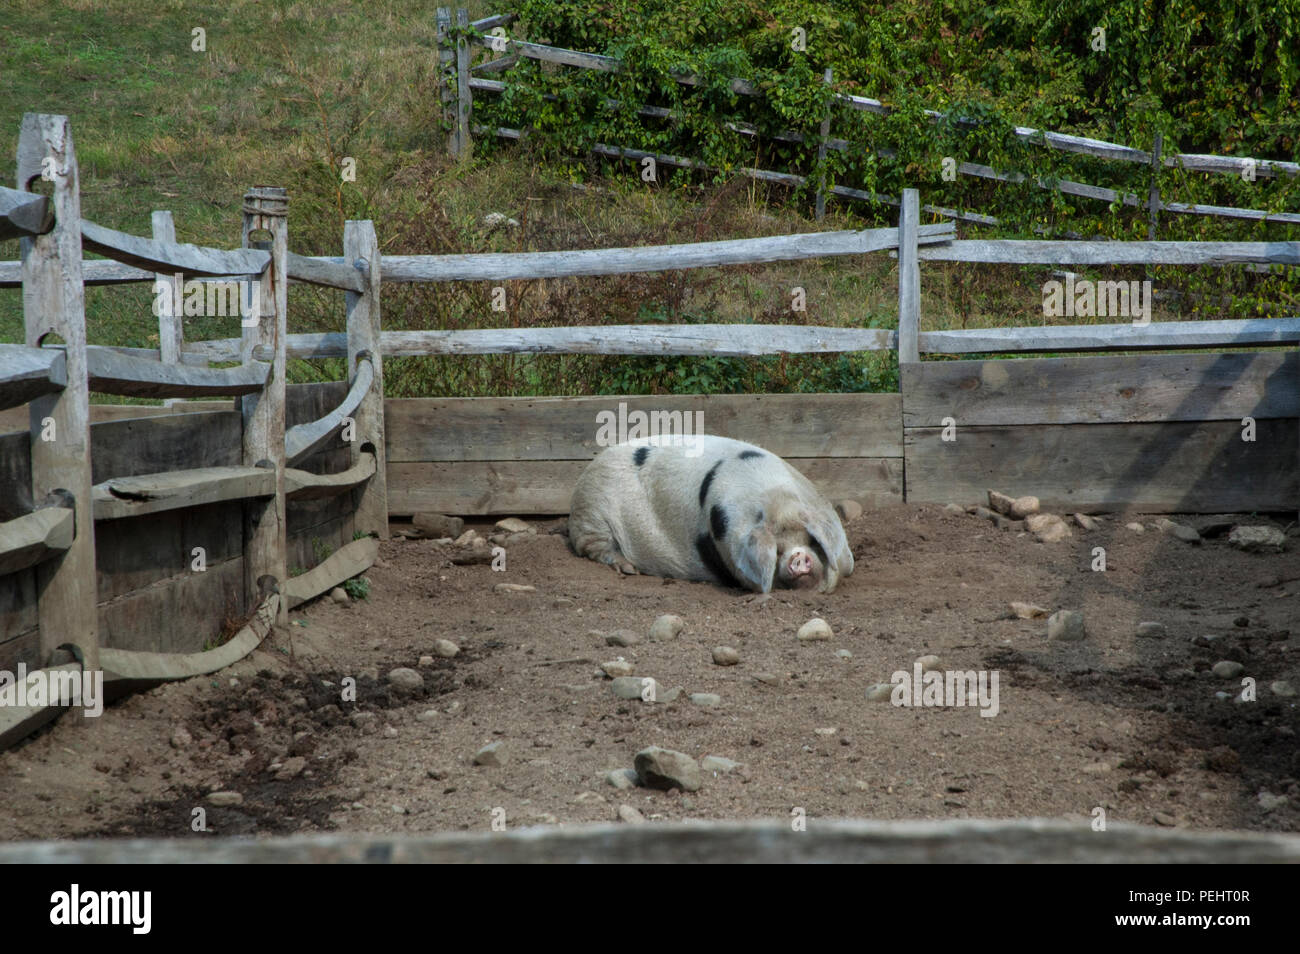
823	525
755	559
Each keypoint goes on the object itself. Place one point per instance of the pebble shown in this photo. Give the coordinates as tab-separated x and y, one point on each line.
880	692
390	732
630	815
446	648
1028	611
666	627
814	630
181	738
1047	527
725	656
425	662
367	722
513	588
849	510
716	763
707	699
1066	625
1165	819
622	637
1258	539
1268	801
843	654
672	695
513	525
1085	521
225	799
622	778
1228	669
1150	630
1282	688
929	663
427	716
1135	527
489	755
1000	503
665	768
616	668
466	538
1177	530
630	687
1023	507
1096	768
828	731
405	679
291	769
340	595
955	508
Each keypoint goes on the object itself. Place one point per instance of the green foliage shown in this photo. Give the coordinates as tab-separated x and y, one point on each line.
358	588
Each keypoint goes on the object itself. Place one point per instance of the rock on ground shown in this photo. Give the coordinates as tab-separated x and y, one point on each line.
665	768
815	629
666	627
1258	539
1066	625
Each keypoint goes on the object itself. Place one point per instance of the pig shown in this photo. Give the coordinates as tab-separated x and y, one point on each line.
708	508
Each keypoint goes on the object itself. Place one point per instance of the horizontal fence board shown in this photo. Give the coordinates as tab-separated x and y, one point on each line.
142	552
115	372
1177	467
180	616
546	486
325	272
566	428
304	485
1102	389
303	440
152	445
24	214
1228	333
1035	252
179	489
171	257
19	419
35	538
27	373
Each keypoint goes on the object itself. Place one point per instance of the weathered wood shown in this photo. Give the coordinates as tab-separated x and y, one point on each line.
171	327
35	538
909	279
1175	467
305	439
361	245
826	841
17	722
446	64
93	272
823	134
169	257
325	272
126	447
24	214
1033	252
499	65
567	428
301	485
1228	333
266	210
1153	190
1103	389
545	486
183	613
133	496
156	551
115	372
464	96
651	258
27	373
496	20
345	563
54	304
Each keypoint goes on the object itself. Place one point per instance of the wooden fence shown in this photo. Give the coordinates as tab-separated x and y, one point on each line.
103	512
461	80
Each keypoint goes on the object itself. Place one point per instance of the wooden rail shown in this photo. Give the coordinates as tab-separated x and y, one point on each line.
178	489
305	439
170	257
1231	333
24	214
27	373
35	537
113	372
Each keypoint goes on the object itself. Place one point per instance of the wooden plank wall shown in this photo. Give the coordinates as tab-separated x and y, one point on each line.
1154	433
523	455
317	528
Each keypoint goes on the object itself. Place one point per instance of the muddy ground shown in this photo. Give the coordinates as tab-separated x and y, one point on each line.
1125	723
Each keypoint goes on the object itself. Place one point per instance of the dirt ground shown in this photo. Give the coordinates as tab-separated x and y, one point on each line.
1125	723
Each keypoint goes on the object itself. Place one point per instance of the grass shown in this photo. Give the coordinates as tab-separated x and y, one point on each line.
285	90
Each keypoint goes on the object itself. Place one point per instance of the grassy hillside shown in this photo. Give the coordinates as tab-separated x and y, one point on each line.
285	91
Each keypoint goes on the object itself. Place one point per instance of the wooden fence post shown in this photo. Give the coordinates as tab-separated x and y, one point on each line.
909	279
1153	193
266	208
54	304
464	101
361	248
171	331
821	152
446	56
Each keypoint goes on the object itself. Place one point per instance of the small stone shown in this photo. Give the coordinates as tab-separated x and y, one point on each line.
291	769
405	679
425	662
1085	521
181	738
1000	503
340	595
826	731
225	799
1258	539
1165	819
1270	802
929	663
672	695
490	755
1028	611
955	508
880	692
843	654
1179	531
767	678
436	526
366	722
725	656
622	638
1096	768
634	687
816	629
1282	688
427	716
390	732
622	778
718	765
446	648
1150	630
707	699
665	768
849	510
1066	625
617	667
984	513
1047	527
666	627
1228	669
630	815
466	539
1023	507
513	588
1135	527
560	602
514	525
